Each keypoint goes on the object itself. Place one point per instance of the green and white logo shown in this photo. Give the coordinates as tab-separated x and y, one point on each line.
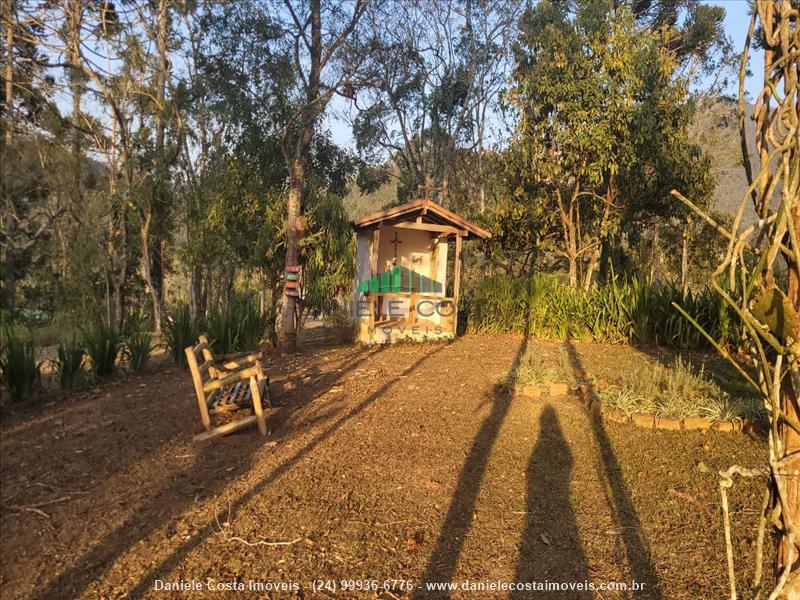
398	280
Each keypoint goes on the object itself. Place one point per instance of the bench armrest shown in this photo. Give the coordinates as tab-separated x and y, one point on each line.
243	374
239	356
232	362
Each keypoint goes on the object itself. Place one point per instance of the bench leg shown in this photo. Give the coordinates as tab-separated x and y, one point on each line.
255	394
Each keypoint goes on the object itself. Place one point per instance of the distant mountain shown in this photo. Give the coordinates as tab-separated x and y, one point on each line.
716	130
359	204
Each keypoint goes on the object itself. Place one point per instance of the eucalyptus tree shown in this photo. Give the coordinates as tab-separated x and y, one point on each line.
235	101
427	97
327	43
247	94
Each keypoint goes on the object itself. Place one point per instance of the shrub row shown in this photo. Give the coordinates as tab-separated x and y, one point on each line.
622	311
96	353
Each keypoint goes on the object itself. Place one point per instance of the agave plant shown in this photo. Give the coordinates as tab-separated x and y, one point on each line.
69	365
102	343
181	331
19	370
238	326
138	346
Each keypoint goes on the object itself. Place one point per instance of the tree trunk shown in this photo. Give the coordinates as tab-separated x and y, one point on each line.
9	19
119	245
653	256
590	269
153	275
73	55
605	261
685	263
7	258
287	336
790	438
569	229
196	292
573	270
119	305
607	241
108	298
154	231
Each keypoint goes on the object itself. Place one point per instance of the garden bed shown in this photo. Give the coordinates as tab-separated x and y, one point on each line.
671	388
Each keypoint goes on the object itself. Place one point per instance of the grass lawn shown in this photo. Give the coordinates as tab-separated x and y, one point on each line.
404	463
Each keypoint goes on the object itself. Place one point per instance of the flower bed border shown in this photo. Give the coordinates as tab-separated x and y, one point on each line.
758	426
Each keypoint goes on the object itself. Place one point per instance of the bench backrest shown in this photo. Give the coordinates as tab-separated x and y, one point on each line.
201	361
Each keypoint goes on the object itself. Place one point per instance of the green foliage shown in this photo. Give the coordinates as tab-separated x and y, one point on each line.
678	390
103	344
19	370
628	311
69	365
223	328
181	331
135	322
601	136
238	326
138	346
328	253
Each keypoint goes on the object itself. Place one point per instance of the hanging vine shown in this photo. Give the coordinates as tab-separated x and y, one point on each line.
759	278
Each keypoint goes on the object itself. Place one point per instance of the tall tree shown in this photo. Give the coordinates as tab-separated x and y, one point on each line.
432	77
27	116
155	205
598	103
325	41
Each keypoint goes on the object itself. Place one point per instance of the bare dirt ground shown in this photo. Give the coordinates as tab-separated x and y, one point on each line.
405	463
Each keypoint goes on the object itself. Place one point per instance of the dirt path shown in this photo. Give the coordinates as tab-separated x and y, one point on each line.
405	464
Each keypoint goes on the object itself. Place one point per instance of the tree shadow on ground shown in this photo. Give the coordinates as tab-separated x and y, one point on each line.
618	497
176	491
442	563
145	582
550	548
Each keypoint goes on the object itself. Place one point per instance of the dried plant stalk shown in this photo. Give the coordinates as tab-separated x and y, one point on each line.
762	267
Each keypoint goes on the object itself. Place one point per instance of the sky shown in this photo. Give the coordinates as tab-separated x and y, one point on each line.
737	19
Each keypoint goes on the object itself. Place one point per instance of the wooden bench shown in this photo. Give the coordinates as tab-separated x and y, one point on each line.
225	383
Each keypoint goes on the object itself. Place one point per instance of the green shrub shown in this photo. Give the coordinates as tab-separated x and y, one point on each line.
102	343
180	331
253	324
19	369
222	329
69	365
137	350
622	311
678	390
136	322
238	326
